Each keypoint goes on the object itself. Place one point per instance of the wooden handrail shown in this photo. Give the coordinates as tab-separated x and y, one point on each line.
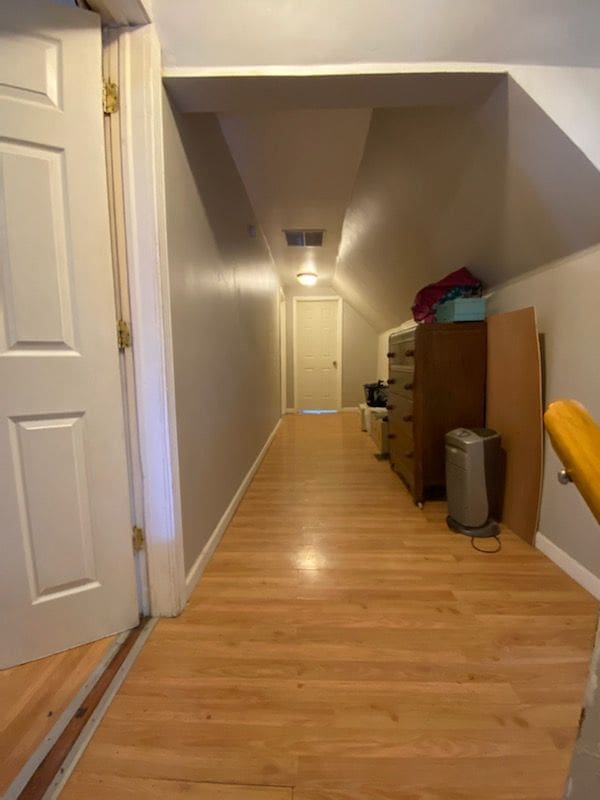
575	437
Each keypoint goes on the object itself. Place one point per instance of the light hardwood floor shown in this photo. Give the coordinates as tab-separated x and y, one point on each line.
32	698
344	645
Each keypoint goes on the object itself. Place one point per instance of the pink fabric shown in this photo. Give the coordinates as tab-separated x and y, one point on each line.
427	298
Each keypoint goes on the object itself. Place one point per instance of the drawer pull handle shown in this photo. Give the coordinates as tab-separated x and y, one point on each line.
391	381
391	355
409	454
390	408
409	353
391	435
407	418
407	386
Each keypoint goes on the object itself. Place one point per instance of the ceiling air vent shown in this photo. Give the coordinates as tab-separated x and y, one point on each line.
301	238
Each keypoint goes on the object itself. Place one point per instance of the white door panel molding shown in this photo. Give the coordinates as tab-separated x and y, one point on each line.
67	572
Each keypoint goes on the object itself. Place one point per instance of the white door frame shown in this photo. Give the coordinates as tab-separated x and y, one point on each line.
140	100
140	83
283	349
308	299
116	13
112	134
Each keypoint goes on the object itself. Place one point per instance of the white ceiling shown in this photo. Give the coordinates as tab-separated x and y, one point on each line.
298	142
299	168
433	172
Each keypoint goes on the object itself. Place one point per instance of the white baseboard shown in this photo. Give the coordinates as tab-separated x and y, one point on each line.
209	548
350	408
567	563
290	411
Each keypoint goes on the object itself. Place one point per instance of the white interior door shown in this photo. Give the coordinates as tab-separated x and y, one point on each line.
317	347
66	564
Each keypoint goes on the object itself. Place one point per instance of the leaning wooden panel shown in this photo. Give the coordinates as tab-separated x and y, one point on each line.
514	409
576	438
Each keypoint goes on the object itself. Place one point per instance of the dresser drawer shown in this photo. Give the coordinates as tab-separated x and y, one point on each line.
402	349
400	415
402	457
401	380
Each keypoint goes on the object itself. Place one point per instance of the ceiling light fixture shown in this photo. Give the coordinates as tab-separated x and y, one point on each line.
307	278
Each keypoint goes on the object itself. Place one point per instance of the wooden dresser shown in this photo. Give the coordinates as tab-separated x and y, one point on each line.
437	383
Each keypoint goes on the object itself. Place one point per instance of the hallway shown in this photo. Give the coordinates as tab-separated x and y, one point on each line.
343	645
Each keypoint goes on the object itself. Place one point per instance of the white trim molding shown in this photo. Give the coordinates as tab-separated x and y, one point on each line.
340	334
568	564
283	349
120	13
209	548
143	188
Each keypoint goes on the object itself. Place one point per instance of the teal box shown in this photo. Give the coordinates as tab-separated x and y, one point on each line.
462	309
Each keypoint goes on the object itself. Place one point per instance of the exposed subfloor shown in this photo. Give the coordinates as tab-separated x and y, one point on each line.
34	695
343	645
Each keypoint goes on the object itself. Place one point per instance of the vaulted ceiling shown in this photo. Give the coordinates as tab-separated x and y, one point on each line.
411	175
299	169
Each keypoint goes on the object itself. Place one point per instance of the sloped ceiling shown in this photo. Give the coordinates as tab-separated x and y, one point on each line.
499	189
299	169
476	176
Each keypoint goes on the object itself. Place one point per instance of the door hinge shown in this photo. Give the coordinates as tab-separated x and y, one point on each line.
110	97
123	334
138	539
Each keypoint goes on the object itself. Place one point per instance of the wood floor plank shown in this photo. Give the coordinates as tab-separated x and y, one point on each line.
114	787
346	644
34	695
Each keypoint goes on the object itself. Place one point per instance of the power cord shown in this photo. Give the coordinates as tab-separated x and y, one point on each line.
481	550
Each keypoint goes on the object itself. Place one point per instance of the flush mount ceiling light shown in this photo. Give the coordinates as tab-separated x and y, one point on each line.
307	278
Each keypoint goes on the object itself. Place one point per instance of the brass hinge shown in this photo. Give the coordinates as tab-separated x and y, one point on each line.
110	97
123	334
138	539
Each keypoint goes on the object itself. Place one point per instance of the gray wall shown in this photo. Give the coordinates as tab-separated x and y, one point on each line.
359	353
224	298
498	187
359	348
565	296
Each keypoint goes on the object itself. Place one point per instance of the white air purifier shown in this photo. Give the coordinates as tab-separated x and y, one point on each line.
474	476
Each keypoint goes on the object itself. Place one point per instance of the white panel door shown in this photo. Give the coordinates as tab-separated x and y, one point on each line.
317	354
66	563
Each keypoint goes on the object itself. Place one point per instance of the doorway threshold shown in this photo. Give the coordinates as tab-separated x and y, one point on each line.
49	767
318	411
